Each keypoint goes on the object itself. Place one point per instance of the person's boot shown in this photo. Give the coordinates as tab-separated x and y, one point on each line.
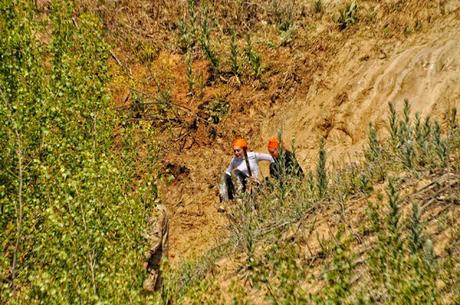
221	208
151	281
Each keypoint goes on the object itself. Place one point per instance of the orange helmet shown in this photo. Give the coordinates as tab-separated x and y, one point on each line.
273	143
242	143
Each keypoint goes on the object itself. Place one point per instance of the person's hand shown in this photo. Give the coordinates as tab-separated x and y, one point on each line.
253	181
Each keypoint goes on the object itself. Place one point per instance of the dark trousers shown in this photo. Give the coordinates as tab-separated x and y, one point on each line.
230	186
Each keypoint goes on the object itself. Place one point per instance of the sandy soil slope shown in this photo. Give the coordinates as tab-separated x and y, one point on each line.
425	70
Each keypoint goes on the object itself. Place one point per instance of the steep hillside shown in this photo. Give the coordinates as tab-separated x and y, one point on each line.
111	108
327	69
317	81
325	83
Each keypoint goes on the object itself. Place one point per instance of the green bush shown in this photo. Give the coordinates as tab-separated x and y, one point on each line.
74	212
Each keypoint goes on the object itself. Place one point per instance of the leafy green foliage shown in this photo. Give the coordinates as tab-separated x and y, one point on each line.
338	274
72	227
215	110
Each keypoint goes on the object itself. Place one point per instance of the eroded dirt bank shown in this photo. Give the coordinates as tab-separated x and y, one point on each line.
327	83
359	85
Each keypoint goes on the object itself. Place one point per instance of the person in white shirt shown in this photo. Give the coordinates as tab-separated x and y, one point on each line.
244	165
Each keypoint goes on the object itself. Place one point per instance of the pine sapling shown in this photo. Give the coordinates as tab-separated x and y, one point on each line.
405	136
253	57
234	54
321	174
206	44
394	241
393	213
440	145
317	6
188	28
310	182
416	239
418	133
408	154
417	127
427	128
193	19
189	72
374	151
184	37
453	124
423	138
405	130
393	244
406	112
393	120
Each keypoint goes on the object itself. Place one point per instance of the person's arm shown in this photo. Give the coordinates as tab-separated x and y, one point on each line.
230	167
264	157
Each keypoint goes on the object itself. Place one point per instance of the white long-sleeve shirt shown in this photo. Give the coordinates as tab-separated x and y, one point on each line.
253	158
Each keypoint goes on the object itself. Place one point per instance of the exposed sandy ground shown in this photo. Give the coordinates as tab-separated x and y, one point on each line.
425	70
353	90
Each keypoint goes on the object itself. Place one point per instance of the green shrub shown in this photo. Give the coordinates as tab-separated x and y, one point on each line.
317	6
347	16
215	110
254	58
374	150
283	13
189	72
73	223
